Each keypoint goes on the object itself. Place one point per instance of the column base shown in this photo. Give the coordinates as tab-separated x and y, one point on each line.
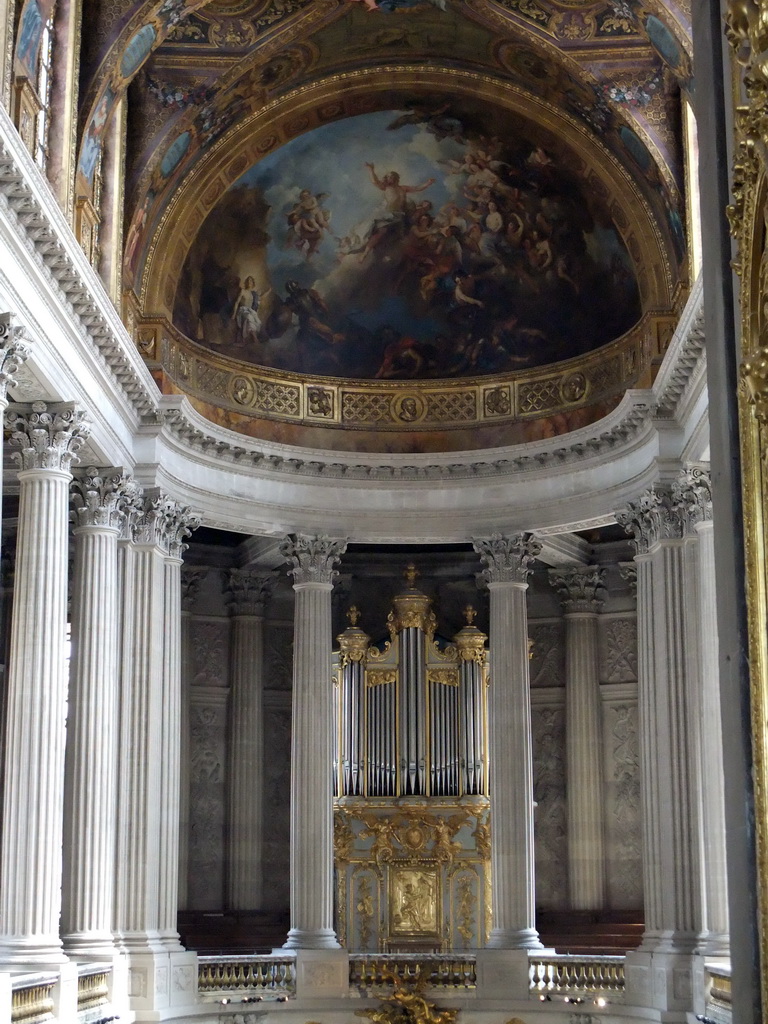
89	945
503	974
322	974
660	981
514	938
324	938
159	982
32	952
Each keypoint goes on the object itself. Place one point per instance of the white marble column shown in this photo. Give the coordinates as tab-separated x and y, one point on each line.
508	561
313	561
581	589
248	591
191	580
30	859
150	728
694	500
667	667
178	522
101	498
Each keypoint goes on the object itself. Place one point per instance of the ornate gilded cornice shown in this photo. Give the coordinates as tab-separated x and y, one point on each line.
581	587
248	591
104	498
313	558
14	350
49	436
507	559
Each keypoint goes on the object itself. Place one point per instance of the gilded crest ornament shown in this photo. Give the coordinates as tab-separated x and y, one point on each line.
408	1005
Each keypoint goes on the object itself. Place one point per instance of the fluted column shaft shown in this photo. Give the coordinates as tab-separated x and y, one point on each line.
170	792
30	854
510	743
91	756
694	502
668	677
312	745
581	589
248	590
148	804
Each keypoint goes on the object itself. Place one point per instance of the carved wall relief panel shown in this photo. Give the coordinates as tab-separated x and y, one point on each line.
278	655
547	653
210	652
622	797
618	649
208	732
277	799
549	792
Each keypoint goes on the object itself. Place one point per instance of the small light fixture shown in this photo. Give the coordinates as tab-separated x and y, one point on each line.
601	1001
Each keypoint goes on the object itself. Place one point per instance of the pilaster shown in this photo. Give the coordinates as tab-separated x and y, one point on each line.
313	560
508	561
248	590
582	590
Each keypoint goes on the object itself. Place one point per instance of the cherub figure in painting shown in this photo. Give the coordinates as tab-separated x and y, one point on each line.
307	222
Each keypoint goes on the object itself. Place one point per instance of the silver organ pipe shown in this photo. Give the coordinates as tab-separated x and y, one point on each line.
412	717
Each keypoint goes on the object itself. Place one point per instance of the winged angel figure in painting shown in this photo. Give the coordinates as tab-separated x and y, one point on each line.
396	5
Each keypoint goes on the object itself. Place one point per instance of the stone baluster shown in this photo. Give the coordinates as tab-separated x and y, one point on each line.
581	589
313	561
101	498
30	857
191	580
508	561
248	590
693	498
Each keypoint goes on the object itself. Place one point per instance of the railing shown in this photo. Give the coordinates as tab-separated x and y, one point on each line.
32	999
93	999
577	974
445	971
255	977
717	980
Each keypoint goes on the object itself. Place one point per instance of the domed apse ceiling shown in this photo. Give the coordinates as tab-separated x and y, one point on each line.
440	238
265	265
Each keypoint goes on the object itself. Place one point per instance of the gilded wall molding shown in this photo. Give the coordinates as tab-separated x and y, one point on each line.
747	32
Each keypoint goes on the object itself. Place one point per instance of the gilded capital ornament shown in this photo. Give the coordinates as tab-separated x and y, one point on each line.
692	493
49	436
314	558
353	642
192	577
581	587
249	590
507	559
165	523
14	350
103	498
470	641
652	518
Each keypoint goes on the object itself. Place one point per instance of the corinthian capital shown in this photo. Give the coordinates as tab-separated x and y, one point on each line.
581	587
49	436
104	497
249	590
692	493
165	523
313	558
507	559
14	350
653	517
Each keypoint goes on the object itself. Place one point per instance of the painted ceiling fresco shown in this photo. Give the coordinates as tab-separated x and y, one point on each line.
441	240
